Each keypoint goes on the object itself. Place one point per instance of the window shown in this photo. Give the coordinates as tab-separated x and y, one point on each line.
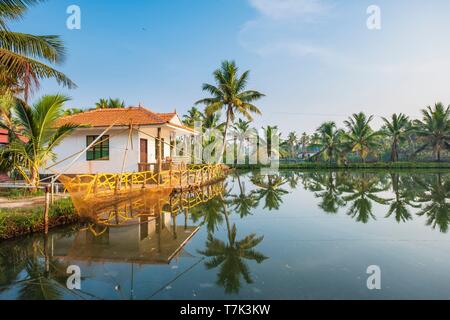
100	151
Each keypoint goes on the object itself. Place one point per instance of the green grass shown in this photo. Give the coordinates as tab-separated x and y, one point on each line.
375	165
17	222
20	193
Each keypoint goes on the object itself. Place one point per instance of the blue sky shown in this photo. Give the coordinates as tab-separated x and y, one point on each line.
314	59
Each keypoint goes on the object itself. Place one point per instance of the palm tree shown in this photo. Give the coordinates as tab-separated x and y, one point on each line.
330	141
231	256
404	197
37	125
72	111
327	188
209	214
7	102
110	104
304	141
270	190
397	130
212	121
230	94
362	192
241	131
360	137
434	129
244	202
21	54
193	115
292	141
437	203
270	134
102	104
116	103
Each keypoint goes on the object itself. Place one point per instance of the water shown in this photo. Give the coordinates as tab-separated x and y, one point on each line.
295	235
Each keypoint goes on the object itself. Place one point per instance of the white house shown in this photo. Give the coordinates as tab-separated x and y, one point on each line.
135	129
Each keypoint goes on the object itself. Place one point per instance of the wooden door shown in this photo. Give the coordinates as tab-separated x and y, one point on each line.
144	151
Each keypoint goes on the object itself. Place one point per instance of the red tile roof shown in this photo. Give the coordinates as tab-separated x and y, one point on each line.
4	138
120	116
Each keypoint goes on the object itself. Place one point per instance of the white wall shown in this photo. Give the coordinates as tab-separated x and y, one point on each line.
117	145
118	141
76	142
149	134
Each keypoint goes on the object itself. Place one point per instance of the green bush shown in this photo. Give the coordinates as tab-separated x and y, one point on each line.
20	193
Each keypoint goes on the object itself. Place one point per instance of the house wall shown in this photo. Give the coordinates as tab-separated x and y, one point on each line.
149	134
118	141
77	142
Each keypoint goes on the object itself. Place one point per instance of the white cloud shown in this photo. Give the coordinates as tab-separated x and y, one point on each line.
285	9
282	28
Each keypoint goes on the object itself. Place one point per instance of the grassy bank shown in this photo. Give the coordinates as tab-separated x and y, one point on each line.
375	165
18	222
20	193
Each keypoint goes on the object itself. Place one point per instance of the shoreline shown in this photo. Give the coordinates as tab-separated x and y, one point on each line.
351	166
16	223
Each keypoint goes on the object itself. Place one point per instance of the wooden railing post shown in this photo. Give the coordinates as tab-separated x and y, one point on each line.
95	184
47	207
116	184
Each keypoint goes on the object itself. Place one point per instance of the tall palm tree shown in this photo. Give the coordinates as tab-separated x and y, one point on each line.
434	128
292	141
230	94
304	141
37	125
360	136
241	131
21	54
193	115
330	141
270	134
397	129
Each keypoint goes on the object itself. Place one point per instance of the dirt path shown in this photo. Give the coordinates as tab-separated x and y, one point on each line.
6	203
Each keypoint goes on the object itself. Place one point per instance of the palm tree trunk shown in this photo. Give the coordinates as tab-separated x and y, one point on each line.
34	179
225	134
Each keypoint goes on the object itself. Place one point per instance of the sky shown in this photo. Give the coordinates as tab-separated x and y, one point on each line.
315	60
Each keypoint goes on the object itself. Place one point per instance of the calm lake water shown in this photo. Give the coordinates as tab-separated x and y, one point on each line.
292	235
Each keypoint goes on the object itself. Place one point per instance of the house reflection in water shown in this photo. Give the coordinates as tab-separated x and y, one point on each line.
139	230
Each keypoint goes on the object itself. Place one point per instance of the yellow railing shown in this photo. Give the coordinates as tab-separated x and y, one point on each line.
181	177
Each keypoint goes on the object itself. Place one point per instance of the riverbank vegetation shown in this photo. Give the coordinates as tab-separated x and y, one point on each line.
18	222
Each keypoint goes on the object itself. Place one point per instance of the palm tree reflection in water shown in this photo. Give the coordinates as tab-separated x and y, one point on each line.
231	255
